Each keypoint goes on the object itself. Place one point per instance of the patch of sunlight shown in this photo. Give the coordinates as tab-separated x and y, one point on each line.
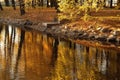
10	29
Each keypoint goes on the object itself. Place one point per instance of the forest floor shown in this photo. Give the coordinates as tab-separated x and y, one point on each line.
104	26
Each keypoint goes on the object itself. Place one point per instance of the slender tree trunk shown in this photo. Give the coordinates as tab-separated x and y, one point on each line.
51	3
56	4
13	4
47	3
7	3
111	2
1	6
39	2
42	3
104	3
118	4
33	3
22	7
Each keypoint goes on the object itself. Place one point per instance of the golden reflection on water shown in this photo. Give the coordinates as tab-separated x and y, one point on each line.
35	56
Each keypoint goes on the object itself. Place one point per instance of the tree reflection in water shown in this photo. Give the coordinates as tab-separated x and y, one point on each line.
29	55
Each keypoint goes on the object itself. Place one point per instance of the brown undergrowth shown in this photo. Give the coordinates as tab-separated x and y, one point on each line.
33	14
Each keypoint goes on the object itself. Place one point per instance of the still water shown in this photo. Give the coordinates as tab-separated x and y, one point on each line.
30	55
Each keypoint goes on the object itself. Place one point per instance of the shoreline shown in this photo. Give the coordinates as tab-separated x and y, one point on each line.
93	36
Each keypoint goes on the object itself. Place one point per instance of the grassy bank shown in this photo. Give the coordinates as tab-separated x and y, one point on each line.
108	17
103	26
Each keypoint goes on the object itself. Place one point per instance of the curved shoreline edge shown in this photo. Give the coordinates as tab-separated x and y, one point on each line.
91	36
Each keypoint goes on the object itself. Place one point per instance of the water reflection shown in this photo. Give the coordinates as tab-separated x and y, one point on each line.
29	55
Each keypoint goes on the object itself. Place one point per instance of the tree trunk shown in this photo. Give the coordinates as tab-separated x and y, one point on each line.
1	6
111	2
40	3
56	4
13	4
47	3
51	3
33	3
104	3
7	3
118	4
22	7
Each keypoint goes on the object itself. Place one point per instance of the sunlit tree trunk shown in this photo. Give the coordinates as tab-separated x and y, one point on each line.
6	35
1	6
22	7
13	33
11	41
13	4
7	3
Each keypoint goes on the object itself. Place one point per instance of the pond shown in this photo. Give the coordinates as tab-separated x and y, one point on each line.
31	55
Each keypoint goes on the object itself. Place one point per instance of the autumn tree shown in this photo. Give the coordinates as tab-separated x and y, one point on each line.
1	6
68	9
71	9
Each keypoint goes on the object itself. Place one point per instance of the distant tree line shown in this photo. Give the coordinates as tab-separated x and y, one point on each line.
33	3
49	3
